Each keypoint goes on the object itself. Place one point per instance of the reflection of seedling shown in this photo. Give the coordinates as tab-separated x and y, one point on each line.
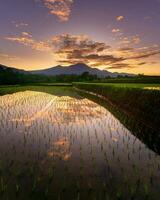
90	188
64	187
146	191
1	167
3	186
17	188
50	176
132	193
34	186
46	193
119	195
104	188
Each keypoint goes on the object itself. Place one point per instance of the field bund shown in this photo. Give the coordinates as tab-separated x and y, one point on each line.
139	101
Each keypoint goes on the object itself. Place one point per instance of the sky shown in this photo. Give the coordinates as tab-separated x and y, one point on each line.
115	35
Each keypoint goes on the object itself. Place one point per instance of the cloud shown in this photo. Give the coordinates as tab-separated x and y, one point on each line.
142	63
79	48
70	49
68	43
116	30
120	18
104	59
26	34
134	40
60	8
7	56
145	54
120	66
27	40
19	24
125	49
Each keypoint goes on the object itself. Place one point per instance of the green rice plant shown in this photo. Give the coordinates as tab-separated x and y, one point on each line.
146	191
3	186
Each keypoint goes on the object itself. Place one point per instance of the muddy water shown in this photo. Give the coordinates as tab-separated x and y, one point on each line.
68	147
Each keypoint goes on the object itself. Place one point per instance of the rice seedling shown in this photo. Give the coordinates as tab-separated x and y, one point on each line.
68	146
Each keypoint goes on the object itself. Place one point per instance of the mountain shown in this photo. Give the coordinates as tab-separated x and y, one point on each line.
4	68
77	69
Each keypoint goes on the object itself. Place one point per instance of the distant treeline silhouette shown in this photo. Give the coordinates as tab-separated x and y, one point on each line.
11	76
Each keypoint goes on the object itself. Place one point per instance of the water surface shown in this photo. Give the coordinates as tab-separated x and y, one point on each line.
58	145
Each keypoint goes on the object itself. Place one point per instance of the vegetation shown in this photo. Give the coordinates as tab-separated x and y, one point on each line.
60	145
134	100
8	76
53	90
56	144
137	127
135	79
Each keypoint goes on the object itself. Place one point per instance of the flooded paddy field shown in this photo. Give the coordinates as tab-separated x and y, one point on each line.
56	144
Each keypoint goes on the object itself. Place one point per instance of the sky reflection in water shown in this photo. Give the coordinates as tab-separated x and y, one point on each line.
81	140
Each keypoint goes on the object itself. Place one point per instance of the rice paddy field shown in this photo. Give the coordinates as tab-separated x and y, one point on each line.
149	86
139	101
56	144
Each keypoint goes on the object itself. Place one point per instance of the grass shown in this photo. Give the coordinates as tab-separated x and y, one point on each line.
51	84
54	90
127	85
145	79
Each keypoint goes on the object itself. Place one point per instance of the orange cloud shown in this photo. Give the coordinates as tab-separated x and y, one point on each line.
130	40
70	49
27	40
136	40
7	56
60	8
26	34
116	30
120	18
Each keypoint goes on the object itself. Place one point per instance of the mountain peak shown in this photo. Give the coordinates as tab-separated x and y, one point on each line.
80	65
76	69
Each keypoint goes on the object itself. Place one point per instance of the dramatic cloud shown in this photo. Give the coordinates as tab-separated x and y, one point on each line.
79	48
70	49
60	8
69	43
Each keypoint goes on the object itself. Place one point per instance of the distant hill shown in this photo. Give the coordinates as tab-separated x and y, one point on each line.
73	73
9	75
77	69
4	68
